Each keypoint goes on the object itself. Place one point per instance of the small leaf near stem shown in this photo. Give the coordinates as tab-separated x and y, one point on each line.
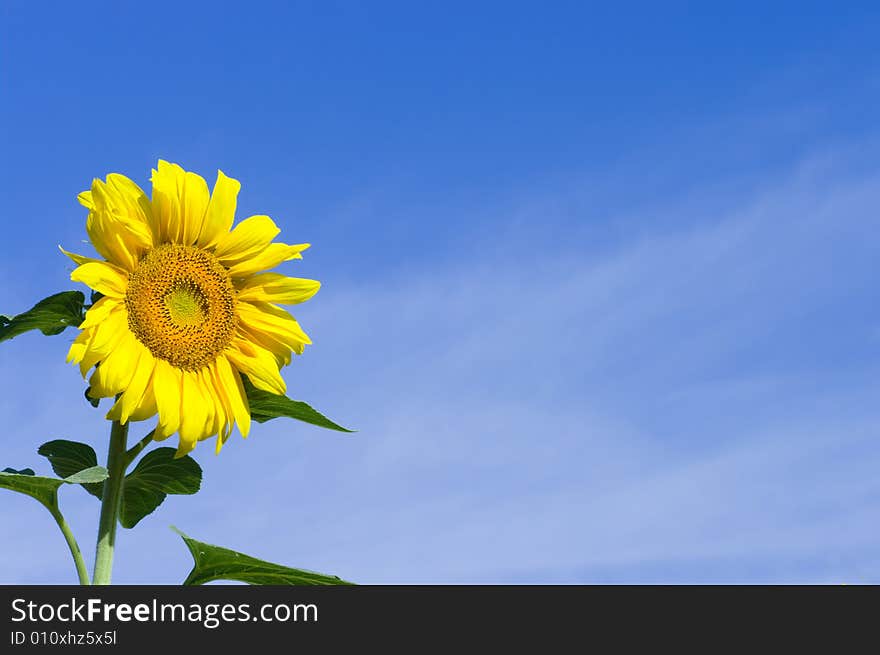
158	474
70	457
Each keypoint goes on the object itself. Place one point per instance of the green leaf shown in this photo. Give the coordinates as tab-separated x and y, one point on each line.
45	489
266	406
70	457
94	402
51	316
155	476
21	472
216	563
91	475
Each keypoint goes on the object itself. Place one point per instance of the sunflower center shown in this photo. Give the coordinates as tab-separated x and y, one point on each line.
181	305
186	305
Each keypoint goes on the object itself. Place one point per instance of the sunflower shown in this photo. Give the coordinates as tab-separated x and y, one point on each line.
187	306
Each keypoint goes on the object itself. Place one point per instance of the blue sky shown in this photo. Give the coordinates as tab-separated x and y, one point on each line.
600	286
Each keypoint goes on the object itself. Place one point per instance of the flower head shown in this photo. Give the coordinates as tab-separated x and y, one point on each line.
187	305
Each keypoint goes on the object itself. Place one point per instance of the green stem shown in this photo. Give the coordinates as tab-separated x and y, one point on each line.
135	450
110	499
78	560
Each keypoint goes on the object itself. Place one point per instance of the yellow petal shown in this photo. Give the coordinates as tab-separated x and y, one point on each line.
218	410
270	257
275	322
272	344
103	277
194	204
216	414
221	211
168	182
131	205
117	368
167	387
249	238
115	412
106	240
229	380
78	348
85	199
78	259
258	364
277	288
195	412
134	393
147	407
184	448
128	188
117	223
100	340
223	416
99	312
